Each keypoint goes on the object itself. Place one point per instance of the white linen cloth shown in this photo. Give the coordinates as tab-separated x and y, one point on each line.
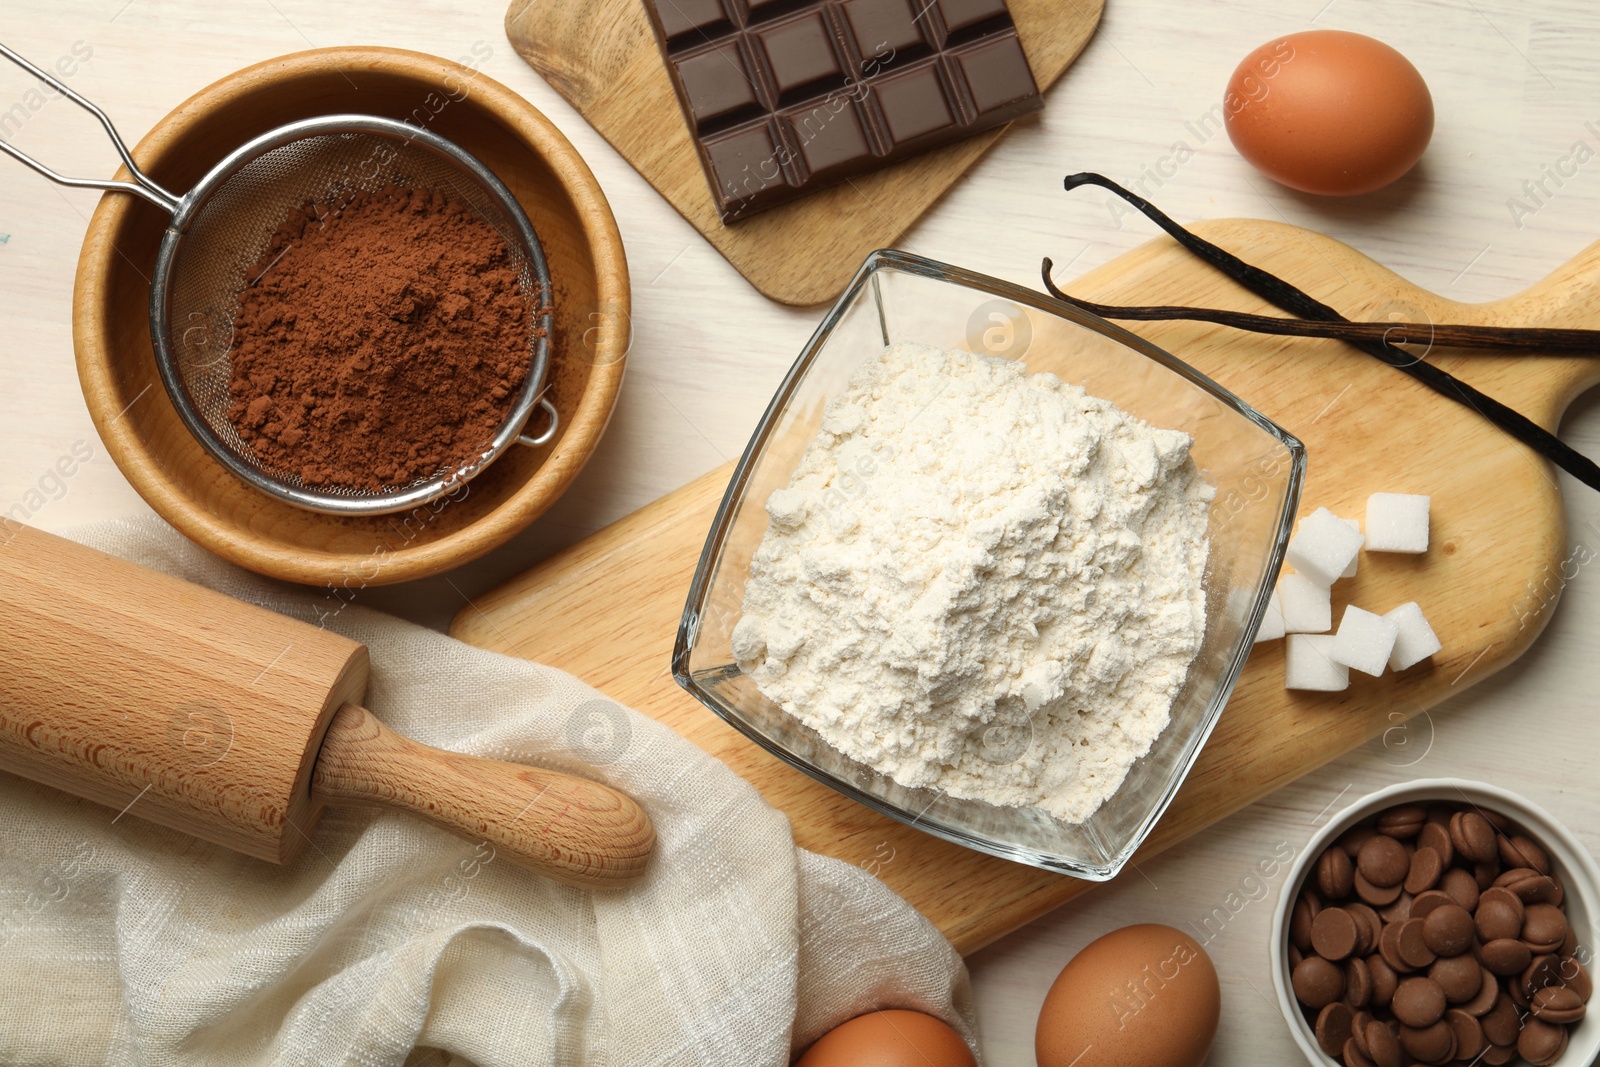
391	942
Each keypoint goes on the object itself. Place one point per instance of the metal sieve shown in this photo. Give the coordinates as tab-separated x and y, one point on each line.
221	228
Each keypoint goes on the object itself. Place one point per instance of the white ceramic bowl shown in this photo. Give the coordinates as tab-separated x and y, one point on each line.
1571	861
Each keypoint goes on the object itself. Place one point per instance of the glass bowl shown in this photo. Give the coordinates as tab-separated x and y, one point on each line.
1255	466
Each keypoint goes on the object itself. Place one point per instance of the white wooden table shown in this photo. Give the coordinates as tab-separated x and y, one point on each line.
1515	84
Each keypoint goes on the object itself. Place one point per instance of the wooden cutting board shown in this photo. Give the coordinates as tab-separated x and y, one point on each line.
601	56
607	609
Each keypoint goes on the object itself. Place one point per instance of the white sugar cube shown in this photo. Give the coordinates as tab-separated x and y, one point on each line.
1307	605
1414	639
1323	547
1350	571
1397	522
1309	664
1271	620
1364	640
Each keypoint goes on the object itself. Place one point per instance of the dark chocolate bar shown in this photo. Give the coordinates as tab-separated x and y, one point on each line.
787	96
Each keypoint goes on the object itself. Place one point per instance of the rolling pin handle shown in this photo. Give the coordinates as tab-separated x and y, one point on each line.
578	832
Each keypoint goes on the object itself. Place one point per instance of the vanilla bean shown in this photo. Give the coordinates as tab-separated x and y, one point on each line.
1441	335
1297	302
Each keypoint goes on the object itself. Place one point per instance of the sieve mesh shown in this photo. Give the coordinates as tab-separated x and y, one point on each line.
225	237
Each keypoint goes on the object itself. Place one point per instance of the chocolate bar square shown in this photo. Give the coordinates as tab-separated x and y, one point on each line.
884	30
828	139
996	74
914	103
800	54
786	96
716	84
679	18
961	16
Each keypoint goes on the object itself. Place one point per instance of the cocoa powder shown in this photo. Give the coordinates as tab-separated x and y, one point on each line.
379	342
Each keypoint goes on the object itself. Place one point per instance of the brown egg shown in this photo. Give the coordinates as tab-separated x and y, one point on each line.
1141	996
891	1038
1329	112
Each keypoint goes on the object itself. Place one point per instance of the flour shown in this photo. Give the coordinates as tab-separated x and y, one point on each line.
981	581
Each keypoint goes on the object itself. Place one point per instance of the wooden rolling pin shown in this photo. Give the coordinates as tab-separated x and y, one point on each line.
176	704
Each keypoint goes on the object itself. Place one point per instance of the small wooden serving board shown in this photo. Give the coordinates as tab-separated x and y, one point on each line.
601	56
607	609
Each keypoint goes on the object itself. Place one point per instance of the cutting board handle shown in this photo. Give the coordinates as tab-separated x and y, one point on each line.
570	829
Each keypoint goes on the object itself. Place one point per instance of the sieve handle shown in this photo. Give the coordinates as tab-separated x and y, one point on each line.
145	187
543	436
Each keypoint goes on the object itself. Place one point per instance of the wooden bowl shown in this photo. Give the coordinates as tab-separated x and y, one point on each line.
142	430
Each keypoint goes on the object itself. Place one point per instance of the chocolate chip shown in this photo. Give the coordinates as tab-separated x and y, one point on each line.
1383	1047
1506	956
1295	956
1461	887
1545	970
1557	1004
1368	925
1440	813
1544	927
1436	836
1399	910
1519	996
1486	873
1541	1043
1357	983
1389	949
1502	1023
1334	875
1333	933
1461	977
1474	837
1496	1056
1520	851
1384	981
1426	867
1358	1031
1352	839
1402	821
1426	902
1354	1057
1333	1027
1300	924
1575	978
1514	874
1467	1032
1532	887
1448	930
1378	896
1430	1044
1383	863
1317	983
1414	945
1419	1002
1499	914
1488	994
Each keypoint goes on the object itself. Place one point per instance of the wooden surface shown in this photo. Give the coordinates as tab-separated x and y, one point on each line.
1514	82
141	427
578	832
163	700
602	56
1495	508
